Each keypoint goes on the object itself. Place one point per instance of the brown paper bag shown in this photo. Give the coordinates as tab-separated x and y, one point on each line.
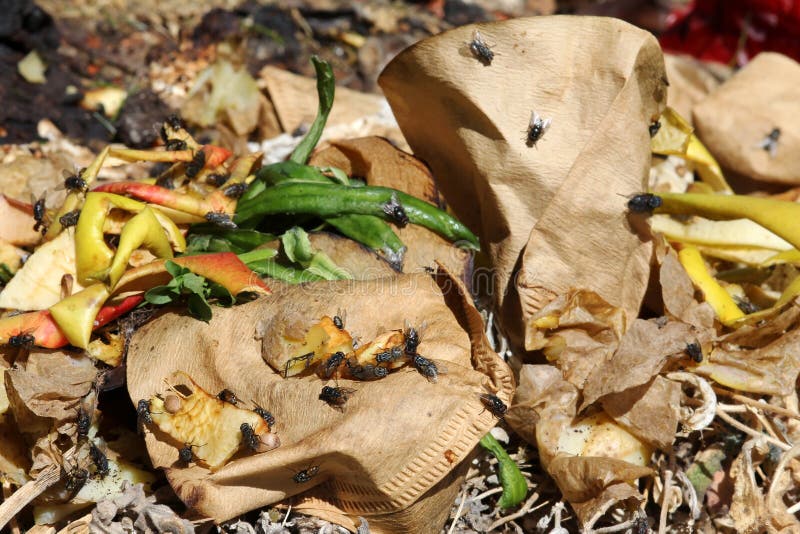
385	451
734	120
549	216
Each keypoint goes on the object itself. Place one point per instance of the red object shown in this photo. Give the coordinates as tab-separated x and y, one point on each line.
43	328
733	31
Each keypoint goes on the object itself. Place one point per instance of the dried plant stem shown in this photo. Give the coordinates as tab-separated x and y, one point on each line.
7	491
10	507
630	523
485	494
662	521
458	511
525	510
761	405
749	431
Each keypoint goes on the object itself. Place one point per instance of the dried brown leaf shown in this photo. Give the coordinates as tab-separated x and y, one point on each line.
733	124
554	207
593	484
396	458
643	352
648	411
747	505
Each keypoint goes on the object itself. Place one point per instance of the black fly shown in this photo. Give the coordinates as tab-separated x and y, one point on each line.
39	213
654	128
70	218
22	341
338	322
694	351
143	411
220	219
536	129
412	341
249	437
173	145
367	372
644	203
228	396
395	211
336	397
301	477
480	49
390	355
74	183
770	142
265	415
99	459
83	423
76	478
330	365
185	453
217	179
426	368
235	190
197	163
494	405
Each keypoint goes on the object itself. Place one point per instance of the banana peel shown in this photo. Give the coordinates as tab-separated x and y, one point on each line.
676	137
724	306
75	315
93	258
778	216
75	199
37	285
144	229
731	233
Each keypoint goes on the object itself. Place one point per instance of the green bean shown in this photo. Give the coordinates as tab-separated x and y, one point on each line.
373	233
212	238
325	200
515	488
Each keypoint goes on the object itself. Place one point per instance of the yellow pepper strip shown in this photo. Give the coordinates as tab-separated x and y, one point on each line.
167	156
778	216
145	230
74	200
177	217
75	315
788	295
676	137
787	256
723	304
92	256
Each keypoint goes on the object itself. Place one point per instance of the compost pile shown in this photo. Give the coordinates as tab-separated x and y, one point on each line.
598	329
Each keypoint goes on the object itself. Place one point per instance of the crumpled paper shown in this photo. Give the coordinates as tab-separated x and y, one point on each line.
734	120
549	217
384	451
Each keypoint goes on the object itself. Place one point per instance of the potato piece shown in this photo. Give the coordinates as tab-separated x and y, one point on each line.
366	354
297	349
209	425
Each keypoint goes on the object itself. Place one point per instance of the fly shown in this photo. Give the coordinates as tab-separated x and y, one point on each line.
536	129
480	49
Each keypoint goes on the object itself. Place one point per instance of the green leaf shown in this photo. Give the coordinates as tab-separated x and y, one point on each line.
297	246
515	488
322	265
160	295
174	269
326	87
198	307
336	174
5	274
258	255
193	283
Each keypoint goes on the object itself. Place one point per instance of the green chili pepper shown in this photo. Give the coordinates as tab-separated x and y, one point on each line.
373	233
326	87
515	488
213	238
366	229
325	200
